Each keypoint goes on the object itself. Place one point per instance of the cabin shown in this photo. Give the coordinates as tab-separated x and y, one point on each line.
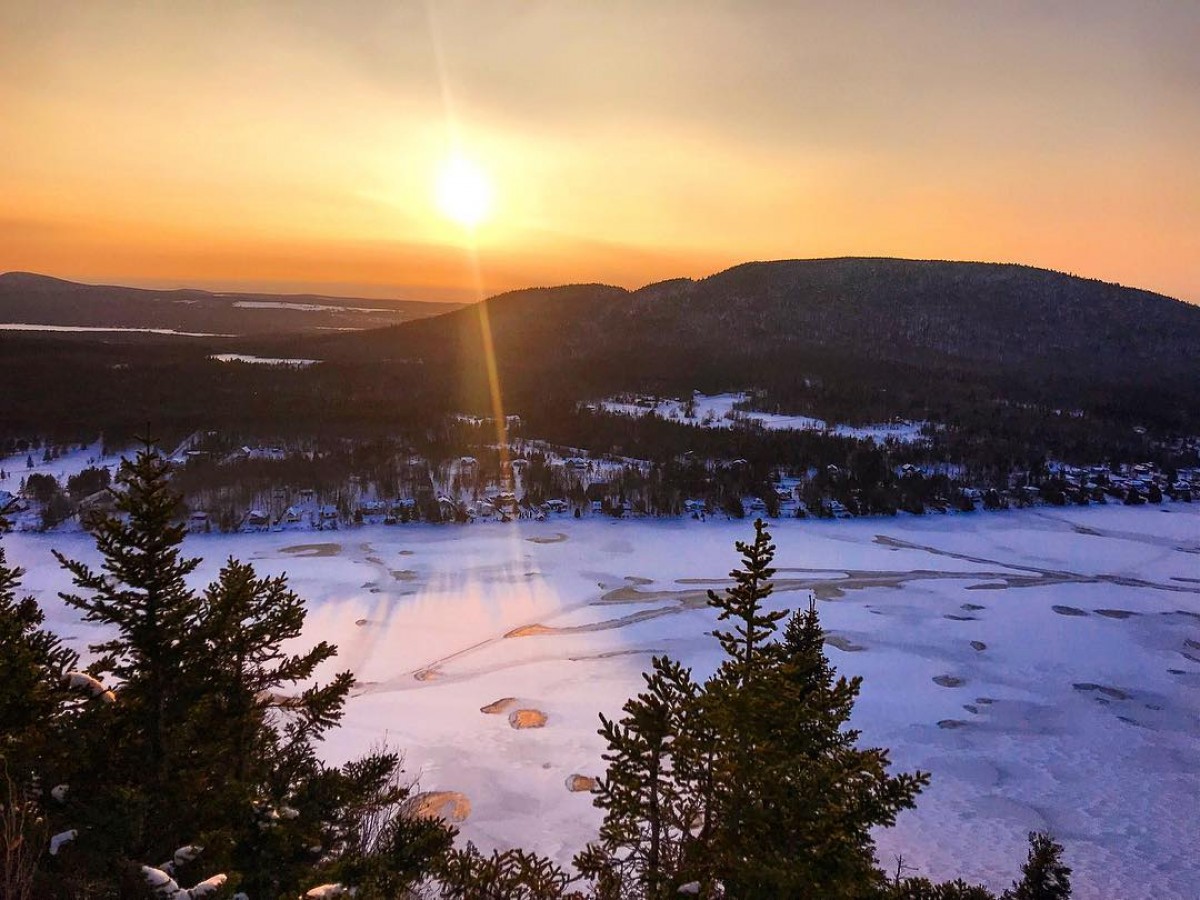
256	518
292	516
198	522
504	502
838	510
481	509
447	508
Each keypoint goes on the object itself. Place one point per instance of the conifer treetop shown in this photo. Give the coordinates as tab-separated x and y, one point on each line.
744	600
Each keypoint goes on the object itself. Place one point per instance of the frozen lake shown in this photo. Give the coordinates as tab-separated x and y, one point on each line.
1043	665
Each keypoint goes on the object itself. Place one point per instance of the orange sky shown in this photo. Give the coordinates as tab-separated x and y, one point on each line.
293	145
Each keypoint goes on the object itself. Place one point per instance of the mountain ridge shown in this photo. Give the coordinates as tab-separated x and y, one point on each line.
782	323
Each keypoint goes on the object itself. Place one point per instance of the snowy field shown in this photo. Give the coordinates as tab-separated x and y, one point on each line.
717	411
1043	666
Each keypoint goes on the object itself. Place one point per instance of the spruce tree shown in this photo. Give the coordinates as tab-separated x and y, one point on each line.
211	736
649	811
505	875
754	778
1044	875
33	667
140	591
743	603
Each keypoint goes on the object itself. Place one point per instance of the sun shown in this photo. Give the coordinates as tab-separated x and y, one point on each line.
463	192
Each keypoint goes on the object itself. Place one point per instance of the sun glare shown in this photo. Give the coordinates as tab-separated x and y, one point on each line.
464	194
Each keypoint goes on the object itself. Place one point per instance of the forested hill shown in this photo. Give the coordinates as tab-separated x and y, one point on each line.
30	299
870	324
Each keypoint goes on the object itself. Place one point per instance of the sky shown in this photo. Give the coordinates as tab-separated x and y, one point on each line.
296	145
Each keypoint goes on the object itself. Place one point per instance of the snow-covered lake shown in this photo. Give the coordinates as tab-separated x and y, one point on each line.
1043	665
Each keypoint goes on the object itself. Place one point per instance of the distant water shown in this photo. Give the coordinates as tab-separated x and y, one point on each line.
307	307
24	326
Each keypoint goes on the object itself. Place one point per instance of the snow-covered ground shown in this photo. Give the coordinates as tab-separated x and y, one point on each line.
717	411
1043	666
262	360
15	468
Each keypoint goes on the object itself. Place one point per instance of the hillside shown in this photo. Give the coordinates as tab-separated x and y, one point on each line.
848	328
30	299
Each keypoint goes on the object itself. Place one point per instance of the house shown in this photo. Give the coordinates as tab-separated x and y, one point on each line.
575	462
557	506
504	502
293	516
838	510
198	521
481	509
256	518
598	491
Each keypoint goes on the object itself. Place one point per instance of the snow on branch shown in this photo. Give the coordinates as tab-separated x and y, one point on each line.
167	888
63	837
324	891
94	686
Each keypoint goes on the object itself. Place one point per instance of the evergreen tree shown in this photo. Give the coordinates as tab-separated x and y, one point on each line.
750	784
509	875
1044	875
33	729
244	701
211	736
649	810
743	603
33	667
797	797
141	592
